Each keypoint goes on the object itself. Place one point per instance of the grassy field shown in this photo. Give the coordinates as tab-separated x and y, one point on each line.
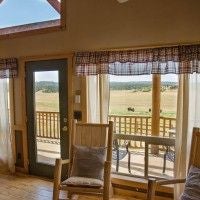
47	101
120	101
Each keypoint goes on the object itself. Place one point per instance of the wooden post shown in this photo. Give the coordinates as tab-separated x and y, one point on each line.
155	124
84	99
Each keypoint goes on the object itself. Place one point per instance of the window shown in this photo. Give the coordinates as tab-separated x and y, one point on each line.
143	106
31	16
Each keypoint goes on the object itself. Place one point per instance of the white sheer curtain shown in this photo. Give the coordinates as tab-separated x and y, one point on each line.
188	116
6	155
98	98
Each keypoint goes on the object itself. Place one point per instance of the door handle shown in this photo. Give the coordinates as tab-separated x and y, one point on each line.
64	128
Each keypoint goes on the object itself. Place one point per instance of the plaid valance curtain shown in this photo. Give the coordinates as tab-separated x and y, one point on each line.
8	68
165	60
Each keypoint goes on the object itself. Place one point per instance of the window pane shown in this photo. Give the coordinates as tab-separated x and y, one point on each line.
169	90
47	116
131	112
15	13
130	109
130	95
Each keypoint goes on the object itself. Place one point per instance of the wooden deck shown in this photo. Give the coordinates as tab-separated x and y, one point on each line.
21	187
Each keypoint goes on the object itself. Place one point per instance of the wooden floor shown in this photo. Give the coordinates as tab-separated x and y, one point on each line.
21	187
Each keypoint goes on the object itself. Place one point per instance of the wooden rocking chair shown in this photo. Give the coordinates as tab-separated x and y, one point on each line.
89	136
194	161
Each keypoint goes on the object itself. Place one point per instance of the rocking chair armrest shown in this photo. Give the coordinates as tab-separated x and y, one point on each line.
66	161
152	183
171	181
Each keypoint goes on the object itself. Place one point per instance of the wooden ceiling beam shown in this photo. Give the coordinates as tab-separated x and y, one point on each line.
56	5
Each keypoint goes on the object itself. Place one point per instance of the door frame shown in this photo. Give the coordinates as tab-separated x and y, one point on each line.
22	84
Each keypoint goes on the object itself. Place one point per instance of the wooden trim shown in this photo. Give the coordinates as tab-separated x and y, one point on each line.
21	170
92	124
147	46
12	117
55	4
63	14
155	124
24	118
100	82
84	99
148	139
156	85
24	32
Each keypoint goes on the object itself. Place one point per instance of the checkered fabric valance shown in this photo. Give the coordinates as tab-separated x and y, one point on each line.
164	60
8	68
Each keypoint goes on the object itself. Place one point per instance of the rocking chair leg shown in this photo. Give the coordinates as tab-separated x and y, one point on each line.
56	193
69	195
129	162
117	163
164	163
111	191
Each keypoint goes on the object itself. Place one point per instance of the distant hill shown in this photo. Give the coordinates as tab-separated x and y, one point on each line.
140	86
144	86
46	86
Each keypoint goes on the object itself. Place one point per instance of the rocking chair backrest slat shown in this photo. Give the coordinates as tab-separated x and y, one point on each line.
195	149
91	135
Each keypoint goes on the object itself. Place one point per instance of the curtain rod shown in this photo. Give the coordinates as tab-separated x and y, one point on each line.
142	47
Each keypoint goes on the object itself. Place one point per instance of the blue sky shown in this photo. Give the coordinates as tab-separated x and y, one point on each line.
46	76
18	12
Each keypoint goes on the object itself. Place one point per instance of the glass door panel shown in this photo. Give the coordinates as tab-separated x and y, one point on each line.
47	116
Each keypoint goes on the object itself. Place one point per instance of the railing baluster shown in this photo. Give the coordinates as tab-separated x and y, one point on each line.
146	160
53	123
47	132
43	130
129	125
146	126
50	125
164	130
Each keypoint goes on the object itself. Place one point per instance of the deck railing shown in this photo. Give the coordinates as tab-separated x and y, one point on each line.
48	125
148	141
141	125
